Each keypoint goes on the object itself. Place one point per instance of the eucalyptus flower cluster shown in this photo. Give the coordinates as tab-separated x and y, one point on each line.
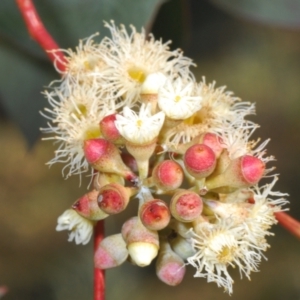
129	113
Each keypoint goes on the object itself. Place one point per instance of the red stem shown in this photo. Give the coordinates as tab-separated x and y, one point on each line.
39	33
99	275
289	223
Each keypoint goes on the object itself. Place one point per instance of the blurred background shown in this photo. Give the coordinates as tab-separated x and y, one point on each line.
256	55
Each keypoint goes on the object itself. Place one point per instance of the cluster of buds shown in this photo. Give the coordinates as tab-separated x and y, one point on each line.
129	111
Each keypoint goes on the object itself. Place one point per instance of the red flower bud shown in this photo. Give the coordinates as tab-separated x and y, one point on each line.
109	129
155	214
200	161
186	206
104	156
167	175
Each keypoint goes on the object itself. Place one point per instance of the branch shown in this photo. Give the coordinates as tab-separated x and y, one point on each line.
99	275
289	223
39	33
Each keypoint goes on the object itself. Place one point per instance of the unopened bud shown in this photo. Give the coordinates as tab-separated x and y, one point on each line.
170	268
186	205
155	214
182	247
113	198
111	252
87	207
110	131
200	161
104	156
243	171
167	175
142	243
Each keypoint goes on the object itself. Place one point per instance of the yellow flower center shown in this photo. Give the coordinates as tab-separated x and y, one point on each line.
177	99
92	133
80	111
193	119
226	254
137	74
139	123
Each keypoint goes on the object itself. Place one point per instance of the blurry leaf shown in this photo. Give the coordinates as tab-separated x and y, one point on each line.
285	13
24	68
21	81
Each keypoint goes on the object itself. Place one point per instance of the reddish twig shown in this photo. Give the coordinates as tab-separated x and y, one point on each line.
39	33
99	275
289	223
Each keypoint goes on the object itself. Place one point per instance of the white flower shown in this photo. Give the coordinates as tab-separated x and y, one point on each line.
218	247
141	128
74	118
81	229
177	99
132	57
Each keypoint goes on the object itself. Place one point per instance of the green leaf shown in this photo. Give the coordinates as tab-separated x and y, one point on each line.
285	13
24	66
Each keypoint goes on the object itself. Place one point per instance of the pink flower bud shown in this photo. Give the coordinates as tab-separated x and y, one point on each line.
186	205
243	171
142	243
170	268
212	141
167	175
200	161
155	214
104	156
114	198
109	129
87	207
111	252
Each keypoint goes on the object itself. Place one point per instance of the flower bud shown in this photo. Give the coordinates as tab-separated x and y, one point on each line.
167	175
87	207
110	131
111	252
142	243
113	198
182	247
155	214
105	157
170	268
243	171
200	161
186	205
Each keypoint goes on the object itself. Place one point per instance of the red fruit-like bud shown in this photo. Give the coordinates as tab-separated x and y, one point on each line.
109	129
200	161
155	214
186	206
87	207
170	268
114	197
104	156
243	171
167	175
111	252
